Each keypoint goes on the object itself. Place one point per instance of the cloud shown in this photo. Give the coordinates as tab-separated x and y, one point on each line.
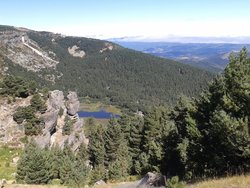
156	29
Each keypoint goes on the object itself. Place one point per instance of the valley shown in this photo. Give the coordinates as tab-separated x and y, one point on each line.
125	94
209	56
169	123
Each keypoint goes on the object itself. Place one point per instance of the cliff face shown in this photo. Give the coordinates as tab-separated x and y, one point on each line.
10	131
59	112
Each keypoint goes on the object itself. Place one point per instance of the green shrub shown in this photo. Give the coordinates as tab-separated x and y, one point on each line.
23	113
175	183
55	182
14	86
30	129
33	125
38	103
67	128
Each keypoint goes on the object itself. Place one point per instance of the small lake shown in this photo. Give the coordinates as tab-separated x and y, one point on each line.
102	114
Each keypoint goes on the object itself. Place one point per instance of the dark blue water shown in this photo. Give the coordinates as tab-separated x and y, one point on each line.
102	114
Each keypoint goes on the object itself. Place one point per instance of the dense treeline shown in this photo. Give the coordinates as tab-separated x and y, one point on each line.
198	138
41	166
121	76
205	137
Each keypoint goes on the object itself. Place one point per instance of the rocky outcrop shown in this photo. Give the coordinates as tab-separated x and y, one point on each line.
21	50
2	183
43	140
75	52
152	180
108	47
10	131
73	103
50	119
55	119
76	137
58	112
54	103
15	160
56	100
99	183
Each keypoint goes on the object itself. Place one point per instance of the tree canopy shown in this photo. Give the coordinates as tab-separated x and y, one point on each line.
198	138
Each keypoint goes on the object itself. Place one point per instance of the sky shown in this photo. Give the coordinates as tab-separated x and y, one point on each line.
156	19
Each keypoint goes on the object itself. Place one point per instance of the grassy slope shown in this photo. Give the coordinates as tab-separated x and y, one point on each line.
6	166
89	106
228	182
31	186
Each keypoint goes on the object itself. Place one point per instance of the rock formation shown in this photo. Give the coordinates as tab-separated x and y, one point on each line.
58	111
10	131
2	183
151	180
73	103
54	122
56	100
21	50
75	52
100	183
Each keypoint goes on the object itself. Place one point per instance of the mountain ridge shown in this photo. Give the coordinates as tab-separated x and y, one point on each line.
104	71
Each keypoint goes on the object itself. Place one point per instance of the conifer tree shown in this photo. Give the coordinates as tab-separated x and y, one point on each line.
55	160
66	170
98	173
38	103
113	139
21	168
237	83
152	140
96	149
117	156
33	167
132	129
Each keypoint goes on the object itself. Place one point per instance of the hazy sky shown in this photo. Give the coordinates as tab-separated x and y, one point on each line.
117	18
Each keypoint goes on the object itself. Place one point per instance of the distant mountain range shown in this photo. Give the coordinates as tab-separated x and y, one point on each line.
183	39
209	56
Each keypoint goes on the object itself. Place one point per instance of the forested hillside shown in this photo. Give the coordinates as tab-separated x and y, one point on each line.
201	138
98	69
198	138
